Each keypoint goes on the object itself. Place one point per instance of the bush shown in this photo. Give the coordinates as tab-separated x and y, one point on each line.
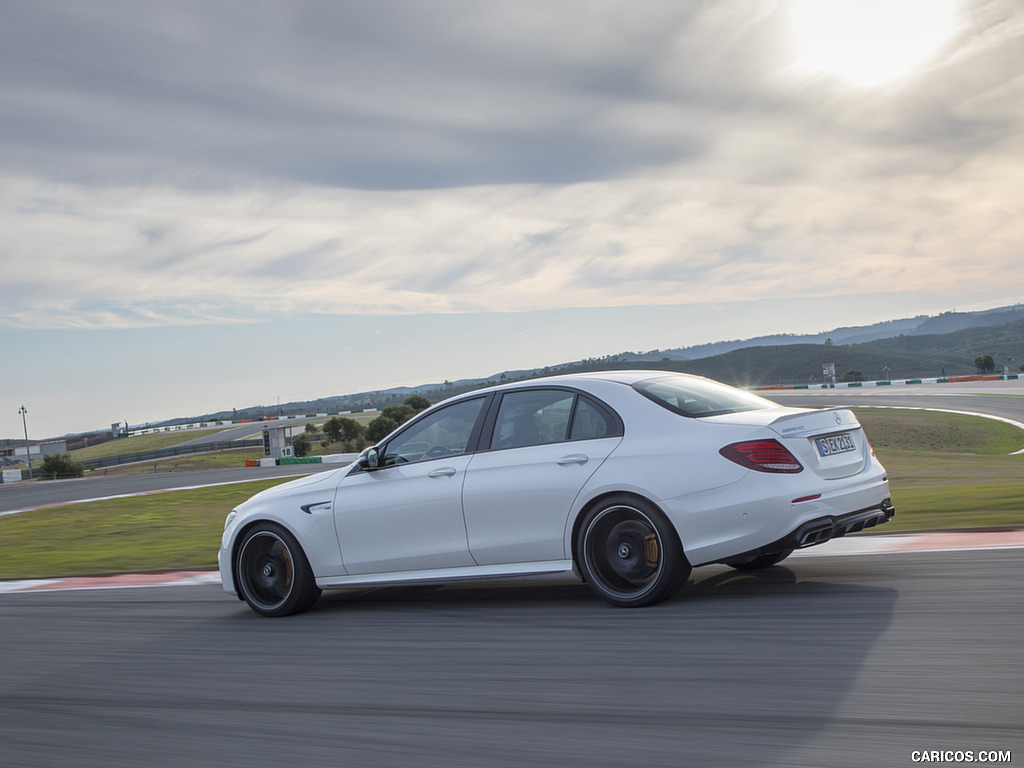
301	446
417	402
398	413
984	363
380	427
59	465
340	429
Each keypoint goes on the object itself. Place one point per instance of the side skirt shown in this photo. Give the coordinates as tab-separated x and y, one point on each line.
468	573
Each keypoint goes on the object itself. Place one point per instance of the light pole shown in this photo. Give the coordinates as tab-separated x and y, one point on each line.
28	450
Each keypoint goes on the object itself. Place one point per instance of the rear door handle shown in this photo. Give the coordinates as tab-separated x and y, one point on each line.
442	472
575	458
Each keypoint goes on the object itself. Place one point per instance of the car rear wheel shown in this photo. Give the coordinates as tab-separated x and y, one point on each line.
762	561
272	572
629	554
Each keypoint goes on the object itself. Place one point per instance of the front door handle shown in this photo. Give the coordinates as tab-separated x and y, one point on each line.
442	472
575	458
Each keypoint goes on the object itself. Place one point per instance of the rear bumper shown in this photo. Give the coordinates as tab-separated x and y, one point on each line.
822	529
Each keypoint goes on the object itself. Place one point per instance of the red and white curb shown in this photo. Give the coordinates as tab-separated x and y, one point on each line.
941	541
119	581
932	541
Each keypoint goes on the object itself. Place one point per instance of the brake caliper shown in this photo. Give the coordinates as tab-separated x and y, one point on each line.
651	550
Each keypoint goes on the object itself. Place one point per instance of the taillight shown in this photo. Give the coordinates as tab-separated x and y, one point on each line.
763	456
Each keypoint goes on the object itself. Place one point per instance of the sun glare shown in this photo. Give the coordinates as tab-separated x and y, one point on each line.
869	42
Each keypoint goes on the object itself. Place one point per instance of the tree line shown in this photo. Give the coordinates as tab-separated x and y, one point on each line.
351	436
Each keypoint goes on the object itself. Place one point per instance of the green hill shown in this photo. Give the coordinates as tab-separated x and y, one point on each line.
763	366
1000	341
898	357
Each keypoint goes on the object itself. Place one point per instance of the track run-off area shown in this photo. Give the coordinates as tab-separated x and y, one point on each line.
867	650
819	661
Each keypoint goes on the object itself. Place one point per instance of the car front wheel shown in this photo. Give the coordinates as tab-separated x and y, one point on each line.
272	572
629	554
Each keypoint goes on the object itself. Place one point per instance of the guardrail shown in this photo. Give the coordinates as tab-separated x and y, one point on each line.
894	382
164	453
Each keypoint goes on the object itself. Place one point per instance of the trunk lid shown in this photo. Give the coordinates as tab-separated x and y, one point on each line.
829	442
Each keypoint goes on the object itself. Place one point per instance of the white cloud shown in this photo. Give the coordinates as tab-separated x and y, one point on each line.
198	164
150	256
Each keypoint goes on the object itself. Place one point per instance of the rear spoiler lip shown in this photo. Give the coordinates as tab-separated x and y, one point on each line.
850	424
765	419
804	413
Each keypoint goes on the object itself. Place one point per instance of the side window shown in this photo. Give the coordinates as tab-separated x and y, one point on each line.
442	433
591	421
533	417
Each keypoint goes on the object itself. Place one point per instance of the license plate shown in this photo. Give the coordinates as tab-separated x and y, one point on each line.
833	444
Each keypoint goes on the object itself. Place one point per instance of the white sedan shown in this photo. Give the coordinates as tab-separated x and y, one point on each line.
624	479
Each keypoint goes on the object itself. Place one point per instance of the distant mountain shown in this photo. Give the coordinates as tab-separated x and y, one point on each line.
913	347
1000	341
947	322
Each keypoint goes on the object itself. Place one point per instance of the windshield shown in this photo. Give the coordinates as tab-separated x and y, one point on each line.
697	397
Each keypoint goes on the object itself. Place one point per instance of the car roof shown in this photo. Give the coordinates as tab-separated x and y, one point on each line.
628	377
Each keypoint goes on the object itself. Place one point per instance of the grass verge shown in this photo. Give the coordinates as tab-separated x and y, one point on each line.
948	470
139	444
164	531
230	459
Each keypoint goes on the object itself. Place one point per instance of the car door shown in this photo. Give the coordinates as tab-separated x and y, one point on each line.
543	446
407	514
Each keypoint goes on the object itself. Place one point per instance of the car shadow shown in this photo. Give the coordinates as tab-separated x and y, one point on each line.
738	669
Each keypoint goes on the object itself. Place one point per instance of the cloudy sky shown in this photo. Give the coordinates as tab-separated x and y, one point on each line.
207	205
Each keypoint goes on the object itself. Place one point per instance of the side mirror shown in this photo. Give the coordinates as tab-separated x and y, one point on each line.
369	459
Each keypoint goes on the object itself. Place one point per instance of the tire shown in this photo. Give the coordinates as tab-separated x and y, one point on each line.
762	561
629	554
272	573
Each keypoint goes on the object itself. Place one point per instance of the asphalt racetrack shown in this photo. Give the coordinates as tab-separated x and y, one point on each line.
821	661
858	660
35	495
1002	399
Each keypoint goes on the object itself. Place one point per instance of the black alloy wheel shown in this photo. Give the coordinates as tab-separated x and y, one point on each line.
629	554
272	573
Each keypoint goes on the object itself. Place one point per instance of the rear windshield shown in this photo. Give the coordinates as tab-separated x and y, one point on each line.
695	397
